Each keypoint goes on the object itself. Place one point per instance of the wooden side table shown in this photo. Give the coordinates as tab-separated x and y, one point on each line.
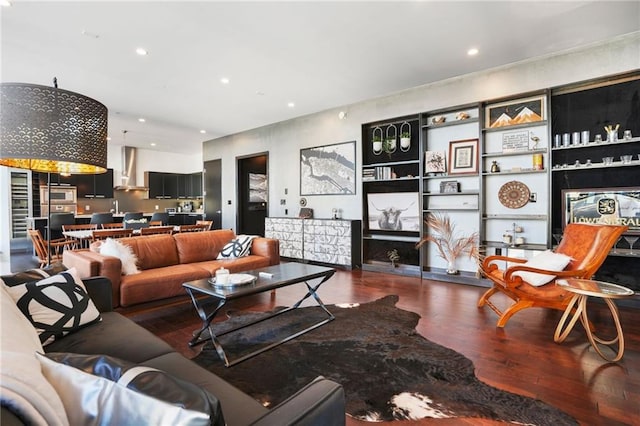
583	289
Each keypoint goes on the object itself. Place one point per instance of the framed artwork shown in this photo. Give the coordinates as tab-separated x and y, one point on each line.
258	188
434	162
394	211
514	112
449	186
463	157
614	206
328	169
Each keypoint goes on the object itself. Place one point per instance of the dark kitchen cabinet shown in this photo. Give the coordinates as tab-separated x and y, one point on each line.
95	186
184	186
196	185
162	185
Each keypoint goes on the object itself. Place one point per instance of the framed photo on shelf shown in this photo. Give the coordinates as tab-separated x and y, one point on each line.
463	157
614	206
328	169
449	186
520	111
434	162
394	211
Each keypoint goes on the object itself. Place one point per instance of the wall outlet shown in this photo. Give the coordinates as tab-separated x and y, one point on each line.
283	202
286	191
533	197
157	207
286	212
87	208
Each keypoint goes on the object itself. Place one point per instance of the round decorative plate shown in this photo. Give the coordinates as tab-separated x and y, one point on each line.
514	194
234	280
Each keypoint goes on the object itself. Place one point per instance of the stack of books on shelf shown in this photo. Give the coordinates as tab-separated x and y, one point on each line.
376	173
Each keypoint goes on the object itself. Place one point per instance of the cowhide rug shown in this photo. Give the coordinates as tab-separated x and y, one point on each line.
387	369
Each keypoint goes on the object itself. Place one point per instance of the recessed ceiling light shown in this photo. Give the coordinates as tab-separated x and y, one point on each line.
259	93
291	104
142	52
203	131
224	80
152	144
142	120
472	52
5	3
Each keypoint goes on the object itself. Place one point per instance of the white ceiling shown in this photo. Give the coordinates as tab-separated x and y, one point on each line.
319	55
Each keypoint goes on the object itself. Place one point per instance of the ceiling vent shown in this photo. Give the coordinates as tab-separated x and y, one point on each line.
129	160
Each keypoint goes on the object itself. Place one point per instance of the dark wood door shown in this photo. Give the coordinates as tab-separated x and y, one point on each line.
252	194
213	192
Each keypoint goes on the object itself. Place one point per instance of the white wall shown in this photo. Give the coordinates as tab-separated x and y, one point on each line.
284	140
154	161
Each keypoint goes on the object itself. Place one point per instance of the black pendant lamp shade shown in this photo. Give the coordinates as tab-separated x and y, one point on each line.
47	129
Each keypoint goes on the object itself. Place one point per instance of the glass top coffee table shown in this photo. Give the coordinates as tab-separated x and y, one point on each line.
584	288
269	278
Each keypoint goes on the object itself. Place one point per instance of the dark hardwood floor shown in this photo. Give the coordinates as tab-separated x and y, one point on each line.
520	358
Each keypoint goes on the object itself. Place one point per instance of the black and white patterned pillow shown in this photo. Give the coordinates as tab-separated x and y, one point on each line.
238	247
56	306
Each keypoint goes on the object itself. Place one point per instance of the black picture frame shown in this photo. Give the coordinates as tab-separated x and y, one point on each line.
328	169
449	186
463	157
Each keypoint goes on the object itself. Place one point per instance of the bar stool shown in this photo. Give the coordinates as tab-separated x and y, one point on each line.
100	218
56	221
134	220
162	217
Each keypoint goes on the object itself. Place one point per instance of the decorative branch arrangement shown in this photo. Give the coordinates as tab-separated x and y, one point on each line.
450	244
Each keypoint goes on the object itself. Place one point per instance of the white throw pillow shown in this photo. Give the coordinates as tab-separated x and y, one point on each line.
546	260
111	247
237	247
56	306
23	388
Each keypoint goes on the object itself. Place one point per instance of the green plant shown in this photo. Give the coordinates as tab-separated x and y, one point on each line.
450	244
393	256
389	145
405	135
377	138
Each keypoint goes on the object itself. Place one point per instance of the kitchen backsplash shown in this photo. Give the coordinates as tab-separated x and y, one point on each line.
131	201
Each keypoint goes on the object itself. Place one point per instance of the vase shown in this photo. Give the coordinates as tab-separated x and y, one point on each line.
405	144
451	267
377	147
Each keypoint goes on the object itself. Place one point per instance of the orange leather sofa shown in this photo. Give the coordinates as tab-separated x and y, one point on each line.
166	262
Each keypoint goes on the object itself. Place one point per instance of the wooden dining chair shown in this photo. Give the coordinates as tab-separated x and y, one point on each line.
103	234
112	225
192	228
79	242
208	223
585	245
156	230
41	246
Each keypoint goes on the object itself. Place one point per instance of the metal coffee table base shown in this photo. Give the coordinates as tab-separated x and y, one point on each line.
206	333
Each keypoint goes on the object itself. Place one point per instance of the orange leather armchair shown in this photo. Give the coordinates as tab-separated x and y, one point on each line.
586	244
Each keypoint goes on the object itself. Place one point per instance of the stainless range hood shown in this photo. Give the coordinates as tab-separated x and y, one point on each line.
129	159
